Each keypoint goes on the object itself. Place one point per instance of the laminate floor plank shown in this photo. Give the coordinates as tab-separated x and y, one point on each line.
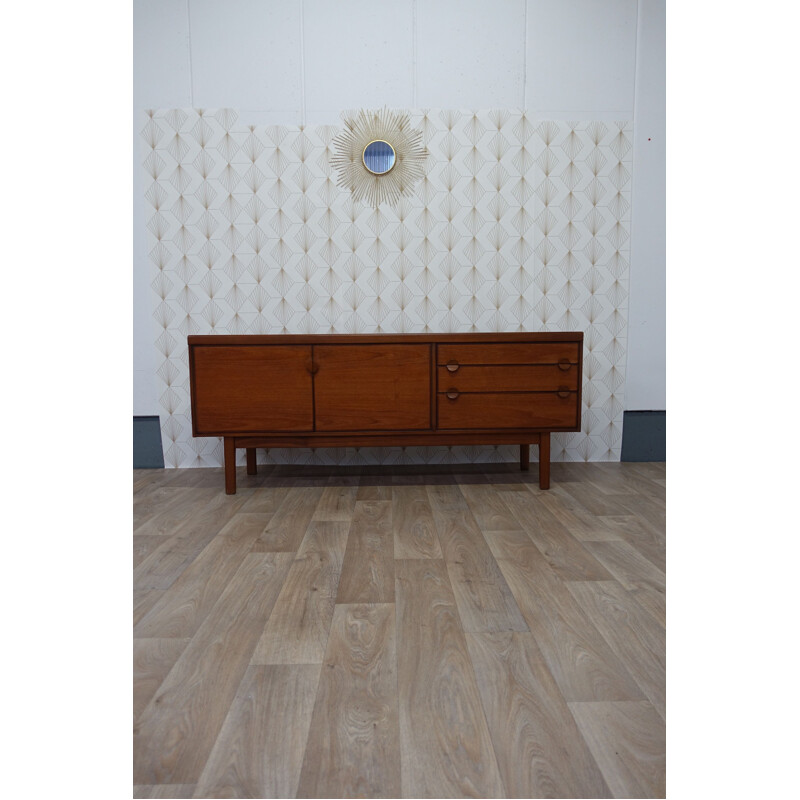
152	661
513	545
161	568
653	470
353	747
144	478
628	742
266	500
446	749
639	533
297	629
182	507
582	663
143	601
337	502
652	600
630	632
208	478
647	508
540	751
164	790
259	750
641	578
413	525
621	478
290	522
182	608
368	570
484	600
177	730
627	564
488	507
596	502
565	554
374	492
144	545
157	501
583	525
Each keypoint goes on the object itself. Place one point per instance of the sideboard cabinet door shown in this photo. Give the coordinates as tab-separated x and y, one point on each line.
249	389
372	387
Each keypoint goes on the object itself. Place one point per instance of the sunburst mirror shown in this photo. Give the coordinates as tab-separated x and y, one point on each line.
379	156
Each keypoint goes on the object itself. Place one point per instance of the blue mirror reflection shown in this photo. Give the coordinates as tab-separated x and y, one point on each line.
379	157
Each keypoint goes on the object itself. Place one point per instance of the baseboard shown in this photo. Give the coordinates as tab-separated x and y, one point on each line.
147	451
644	436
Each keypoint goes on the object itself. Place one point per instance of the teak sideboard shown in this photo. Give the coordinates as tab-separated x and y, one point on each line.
406	390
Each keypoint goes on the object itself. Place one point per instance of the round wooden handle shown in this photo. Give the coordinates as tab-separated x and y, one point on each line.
452	394
564	393
452	366
564	364
312	368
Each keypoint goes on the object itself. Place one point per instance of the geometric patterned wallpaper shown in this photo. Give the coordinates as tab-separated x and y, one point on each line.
520	224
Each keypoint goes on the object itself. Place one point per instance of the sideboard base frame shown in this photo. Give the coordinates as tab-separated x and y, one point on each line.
250	443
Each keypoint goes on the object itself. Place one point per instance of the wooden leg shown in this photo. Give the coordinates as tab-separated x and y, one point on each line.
524	456
251	461
230	465
544	460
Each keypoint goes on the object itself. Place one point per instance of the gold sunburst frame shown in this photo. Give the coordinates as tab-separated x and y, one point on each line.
393	127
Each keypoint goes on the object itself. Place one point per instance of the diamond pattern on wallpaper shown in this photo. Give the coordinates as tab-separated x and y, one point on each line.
519	224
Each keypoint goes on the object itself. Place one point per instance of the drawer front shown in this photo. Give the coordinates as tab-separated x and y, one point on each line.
508	378
509	353
246	389
372	387
508	410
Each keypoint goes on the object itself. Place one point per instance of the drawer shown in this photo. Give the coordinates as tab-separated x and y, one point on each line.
509	353
508	378
508	410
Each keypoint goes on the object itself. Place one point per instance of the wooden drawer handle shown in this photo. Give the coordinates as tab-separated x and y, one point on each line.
452	366
564	365
564	393
312	368
452	394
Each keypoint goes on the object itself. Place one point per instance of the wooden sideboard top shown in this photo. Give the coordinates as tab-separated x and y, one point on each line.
367	338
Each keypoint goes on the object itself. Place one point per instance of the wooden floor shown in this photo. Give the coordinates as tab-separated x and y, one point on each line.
405	632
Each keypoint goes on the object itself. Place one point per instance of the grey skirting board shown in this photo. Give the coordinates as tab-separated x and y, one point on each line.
147	451
644	436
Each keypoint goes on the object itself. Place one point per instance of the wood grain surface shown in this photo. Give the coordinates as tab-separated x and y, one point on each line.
628	742
484	600
541	753
368	569
176	731
407	632
412	524
445	743
353	747
254	759
297	630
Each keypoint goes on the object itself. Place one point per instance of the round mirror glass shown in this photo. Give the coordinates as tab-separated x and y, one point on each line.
378	157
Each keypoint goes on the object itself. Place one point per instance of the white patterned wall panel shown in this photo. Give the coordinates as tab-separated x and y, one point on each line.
519	224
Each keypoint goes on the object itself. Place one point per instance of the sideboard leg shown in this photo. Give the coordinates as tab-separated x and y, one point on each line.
230	465
252	469
544	460
524	456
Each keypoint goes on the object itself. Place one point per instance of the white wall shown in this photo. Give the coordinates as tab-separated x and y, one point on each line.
304	61
645	386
